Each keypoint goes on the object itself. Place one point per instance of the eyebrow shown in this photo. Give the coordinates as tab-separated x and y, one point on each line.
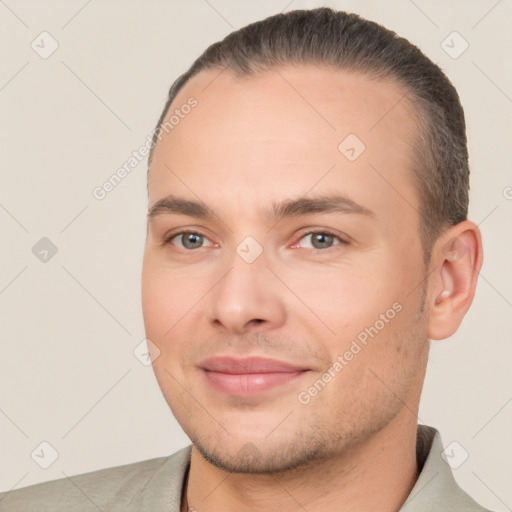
277	211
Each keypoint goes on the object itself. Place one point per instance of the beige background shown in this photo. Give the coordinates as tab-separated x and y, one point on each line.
68	375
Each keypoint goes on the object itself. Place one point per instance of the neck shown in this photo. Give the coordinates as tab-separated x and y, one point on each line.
377	475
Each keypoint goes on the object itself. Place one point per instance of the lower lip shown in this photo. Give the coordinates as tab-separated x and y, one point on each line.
248	384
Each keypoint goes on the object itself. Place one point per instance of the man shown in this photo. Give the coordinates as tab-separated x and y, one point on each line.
307	238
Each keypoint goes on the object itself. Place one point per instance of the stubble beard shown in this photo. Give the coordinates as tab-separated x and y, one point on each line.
315	442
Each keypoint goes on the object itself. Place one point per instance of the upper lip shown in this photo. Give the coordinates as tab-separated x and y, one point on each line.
228	364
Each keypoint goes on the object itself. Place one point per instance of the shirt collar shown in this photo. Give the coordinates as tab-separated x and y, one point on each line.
436	488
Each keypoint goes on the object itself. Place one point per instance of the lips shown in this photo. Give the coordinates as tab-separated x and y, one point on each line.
248	376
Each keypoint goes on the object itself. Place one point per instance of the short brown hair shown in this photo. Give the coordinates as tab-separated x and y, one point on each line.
349	42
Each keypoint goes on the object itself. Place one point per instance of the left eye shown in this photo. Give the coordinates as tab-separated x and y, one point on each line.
321	240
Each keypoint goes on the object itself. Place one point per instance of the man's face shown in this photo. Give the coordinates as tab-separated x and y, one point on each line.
345	302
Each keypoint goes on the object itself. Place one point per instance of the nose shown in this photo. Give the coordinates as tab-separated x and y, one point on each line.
247	298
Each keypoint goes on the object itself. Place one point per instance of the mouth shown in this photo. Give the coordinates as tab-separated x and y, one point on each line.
248	376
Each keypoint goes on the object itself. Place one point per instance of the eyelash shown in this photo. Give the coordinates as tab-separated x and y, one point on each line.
342	241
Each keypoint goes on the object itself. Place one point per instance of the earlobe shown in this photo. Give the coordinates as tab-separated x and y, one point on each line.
441	296
457	259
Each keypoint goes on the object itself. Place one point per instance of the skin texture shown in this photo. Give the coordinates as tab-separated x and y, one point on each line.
268	138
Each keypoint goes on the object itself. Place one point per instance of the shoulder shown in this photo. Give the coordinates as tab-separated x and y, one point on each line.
95	490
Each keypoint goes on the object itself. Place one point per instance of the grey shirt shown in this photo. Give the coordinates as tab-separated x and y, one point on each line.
156	485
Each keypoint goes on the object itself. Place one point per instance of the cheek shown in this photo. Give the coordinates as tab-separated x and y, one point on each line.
378	352
160	314
362	311
172	309
167	298
162	310
346	298
155	303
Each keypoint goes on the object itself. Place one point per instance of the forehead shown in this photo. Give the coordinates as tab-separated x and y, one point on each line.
282	132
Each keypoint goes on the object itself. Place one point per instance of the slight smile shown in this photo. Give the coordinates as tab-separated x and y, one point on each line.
248	376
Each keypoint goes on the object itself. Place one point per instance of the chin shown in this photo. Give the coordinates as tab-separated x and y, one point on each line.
261	457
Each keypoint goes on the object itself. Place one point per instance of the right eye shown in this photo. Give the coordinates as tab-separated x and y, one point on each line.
188	240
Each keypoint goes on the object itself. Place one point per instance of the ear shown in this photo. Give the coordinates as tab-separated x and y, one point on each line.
456	260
